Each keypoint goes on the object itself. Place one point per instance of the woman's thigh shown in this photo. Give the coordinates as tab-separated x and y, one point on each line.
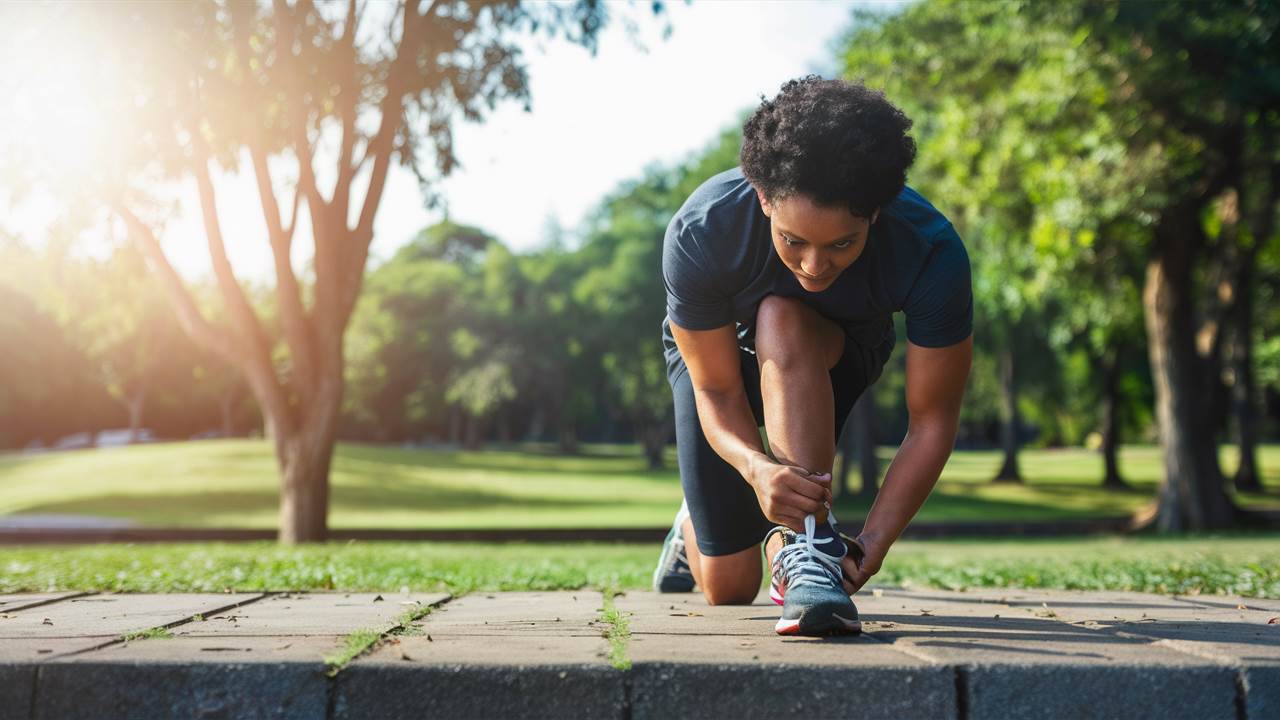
726	515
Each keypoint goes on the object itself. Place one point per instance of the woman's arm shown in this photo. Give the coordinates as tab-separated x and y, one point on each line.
936	379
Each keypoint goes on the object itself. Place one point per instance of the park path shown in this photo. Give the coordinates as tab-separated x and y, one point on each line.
925	654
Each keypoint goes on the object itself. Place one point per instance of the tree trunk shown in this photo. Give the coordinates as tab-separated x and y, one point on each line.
304	455
654	436
471	440
1243	390
864	418
226	406
1111	421
568	437
304	462
504	427
455	427
1008	420
848	450
137	403
1192	495
537	424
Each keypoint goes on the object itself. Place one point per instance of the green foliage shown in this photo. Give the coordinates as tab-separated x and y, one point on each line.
87	340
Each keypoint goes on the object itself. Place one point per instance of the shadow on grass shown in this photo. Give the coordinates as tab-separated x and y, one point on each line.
353	457
173	508
965	507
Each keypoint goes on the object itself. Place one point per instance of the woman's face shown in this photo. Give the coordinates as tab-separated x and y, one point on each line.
816	242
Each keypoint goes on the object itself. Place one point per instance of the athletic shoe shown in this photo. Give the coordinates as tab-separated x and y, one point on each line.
673	574
815	602
777	588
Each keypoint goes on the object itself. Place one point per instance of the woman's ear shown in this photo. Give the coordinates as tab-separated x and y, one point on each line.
764	203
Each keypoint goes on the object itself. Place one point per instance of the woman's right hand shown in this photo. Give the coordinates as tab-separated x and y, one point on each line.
787	493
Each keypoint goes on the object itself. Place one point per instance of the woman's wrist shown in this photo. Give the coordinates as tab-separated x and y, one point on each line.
874	549
754	461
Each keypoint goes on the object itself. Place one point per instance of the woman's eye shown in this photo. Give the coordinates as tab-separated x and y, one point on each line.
788	240
842	245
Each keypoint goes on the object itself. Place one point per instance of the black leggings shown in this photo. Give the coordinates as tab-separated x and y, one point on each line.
726	515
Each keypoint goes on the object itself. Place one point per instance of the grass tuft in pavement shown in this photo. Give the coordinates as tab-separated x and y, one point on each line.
148	634
618	633
366	640
353	647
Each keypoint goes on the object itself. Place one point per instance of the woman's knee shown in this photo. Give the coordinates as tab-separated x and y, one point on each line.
727	594
788	331
731	579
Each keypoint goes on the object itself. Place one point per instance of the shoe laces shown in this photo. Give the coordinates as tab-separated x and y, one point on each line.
802	563
680	559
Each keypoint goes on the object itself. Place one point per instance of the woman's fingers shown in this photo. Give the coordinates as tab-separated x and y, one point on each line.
802	504
805	485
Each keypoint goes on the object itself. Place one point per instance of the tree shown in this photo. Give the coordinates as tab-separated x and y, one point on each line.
1203	79
285	88
1114	123
975	122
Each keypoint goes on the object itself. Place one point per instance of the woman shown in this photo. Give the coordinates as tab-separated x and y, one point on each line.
782	278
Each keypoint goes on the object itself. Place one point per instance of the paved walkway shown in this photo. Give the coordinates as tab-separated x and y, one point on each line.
926	654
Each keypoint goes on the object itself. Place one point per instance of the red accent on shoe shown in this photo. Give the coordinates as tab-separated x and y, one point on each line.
776	593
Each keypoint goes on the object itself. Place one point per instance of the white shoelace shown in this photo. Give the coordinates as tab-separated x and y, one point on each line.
792	558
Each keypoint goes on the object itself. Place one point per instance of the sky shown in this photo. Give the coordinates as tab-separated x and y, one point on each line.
595	122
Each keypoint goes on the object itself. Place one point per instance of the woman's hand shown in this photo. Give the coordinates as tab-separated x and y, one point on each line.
788	493
861	562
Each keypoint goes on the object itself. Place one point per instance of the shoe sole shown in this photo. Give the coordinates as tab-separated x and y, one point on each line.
671	583
830	625
675	584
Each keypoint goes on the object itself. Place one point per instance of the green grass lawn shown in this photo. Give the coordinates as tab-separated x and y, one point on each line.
233	483
1237	565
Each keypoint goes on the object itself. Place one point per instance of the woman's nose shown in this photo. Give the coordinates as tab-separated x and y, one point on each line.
813	265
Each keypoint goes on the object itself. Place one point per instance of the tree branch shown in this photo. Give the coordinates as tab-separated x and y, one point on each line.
216	339
380	147
293	316
346	172
302	148
256	347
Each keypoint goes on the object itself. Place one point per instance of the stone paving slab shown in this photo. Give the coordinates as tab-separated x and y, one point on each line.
694	660
1234	631
536	654
23	601
262	659
81	623
555	614
37	632
1002	650
311	614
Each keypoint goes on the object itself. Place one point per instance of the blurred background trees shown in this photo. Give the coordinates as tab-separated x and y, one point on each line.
1113	169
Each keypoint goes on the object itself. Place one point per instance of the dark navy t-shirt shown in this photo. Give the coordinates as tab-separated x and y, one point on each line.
718	263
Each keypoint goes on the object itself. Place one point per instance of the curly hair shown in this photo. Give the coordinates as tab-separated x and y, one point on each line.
837	142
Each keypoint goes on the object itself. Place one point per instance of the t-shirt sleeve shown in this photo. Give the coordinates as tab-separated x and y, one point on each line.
694	301
939	308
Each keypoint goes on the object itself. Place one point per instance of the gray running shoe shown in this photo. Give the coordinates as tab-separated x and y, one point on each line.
814	601
673	574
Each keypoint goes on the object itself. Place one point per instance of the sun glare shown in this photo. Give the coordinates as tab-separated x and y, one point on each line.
61	86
